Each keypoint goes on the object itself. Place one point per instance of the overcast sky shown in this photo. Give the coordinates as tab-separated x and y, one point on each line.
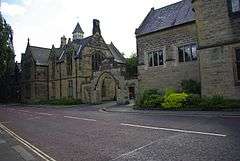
45	21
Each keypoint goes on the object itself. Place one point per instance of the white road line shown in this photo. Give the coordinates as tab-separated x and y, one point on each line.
174	130
27	144
133	151
78	118
42	113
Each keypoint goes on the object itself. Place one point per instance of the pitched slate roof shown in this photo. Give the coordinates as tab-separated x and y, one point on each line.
118	57
40	55
166	17
78	29
78	45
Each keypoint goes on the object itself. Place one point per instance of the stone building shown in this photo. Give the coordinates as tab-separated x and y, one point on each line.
34	66
196	40
84	68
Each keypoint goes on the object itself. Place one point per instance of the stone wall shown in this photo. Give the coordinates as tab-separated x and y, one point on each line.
172	72
218	36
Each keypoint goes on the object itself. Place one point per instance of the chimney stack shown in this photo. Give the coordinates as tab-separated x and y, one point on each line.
96	27
63	41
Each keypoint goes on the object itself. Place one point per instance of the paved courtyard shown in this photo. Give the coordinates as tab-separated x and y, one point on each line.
87	133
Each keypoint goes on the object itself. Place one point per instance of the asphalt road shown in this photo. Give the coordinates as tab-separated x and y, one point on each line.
87	134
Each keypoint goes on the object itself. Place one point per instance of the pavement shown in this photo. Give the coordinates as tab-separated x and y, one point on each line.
12	150
89	133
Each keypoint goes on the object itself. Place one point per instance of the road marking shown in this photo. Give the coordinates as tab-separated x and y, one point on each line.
175	130
133	151
27	144
78	118
42	113
24	153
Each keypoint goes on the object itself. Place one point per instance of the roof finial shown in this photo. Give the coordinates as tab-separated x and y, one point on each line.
28	43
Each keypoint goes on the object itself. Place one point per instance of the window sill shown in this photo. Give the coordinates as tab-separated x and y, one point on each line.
237	83
234	14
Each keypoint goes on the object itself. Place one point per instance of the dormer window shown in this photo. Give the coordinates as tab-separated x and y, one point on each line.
234	6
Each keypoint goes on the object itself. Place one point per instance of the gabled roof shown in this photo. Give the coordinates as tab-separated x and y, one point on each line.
166	17
78	29
40	55
78	45
118	57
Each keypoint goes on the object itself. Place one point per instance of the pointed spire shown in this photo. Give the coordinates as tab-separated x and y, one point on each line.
28	43
78	29
78	32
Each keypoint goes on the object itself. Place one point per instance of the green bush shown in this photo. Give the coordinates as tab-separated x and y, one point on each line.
174	100
60	102
153	101
150	99
191	86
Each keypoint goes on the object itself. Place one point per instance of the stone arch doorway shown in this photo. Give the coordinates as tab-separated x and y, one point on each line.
107	86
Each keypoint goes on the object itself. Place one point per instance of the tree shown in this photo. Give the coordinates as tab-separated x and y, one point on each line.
131	66
6	61
6	47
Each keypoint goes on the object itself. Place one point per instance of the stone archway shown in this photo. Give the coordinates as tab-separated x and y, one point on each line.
107	87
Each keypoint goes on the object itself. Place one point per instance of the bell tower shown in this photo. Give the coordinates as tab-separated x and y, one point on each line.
78	32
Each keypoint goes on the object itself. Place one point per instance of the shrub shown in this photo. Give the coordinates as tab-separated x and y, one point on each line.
60	102
153	101
174	100
191	86
149	99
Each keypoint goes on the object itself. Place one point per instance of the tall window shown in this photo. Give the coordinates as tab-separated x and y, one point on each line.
187	53
238	63
69	65
155	58
53	69
234	6
97	59
70	89
53	89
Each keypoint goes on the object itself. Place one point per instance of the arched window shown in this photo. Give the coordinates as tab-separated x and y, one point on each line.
97	59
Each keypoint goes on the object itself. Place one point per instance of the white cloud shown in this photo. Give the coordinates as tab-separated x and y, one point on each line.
13	9
45	21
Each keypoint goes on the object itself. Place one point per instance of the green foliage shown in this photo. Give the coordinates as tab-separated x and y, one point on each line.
174	100
131	66
153	101
150	99
6	53
191	86
60	102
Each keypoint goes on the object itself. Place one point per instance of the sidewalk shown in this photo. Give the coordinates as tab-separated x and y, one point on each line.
11	150
129	109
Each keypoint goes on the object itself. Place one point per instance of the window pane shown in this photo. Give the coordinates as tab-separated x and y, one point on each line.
160	58
187	53
194	52
150	59
180	55
238	63
235	5
155	59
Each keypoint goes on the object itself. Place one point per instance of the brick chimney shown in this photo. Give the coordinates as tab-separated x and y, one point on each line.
63	41
96	27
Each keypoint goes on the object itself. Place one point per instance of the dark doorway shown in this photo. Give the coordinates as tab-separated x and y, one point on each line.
131	92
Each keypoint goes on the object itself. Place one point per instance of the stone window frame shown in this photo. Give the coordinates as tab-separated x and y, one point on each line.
237	66
97	59
53	90
70	89
158	54
230	8
190	46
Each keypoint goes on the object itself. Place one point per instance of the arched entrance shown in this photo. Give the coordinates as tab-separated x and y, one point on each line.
107	86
